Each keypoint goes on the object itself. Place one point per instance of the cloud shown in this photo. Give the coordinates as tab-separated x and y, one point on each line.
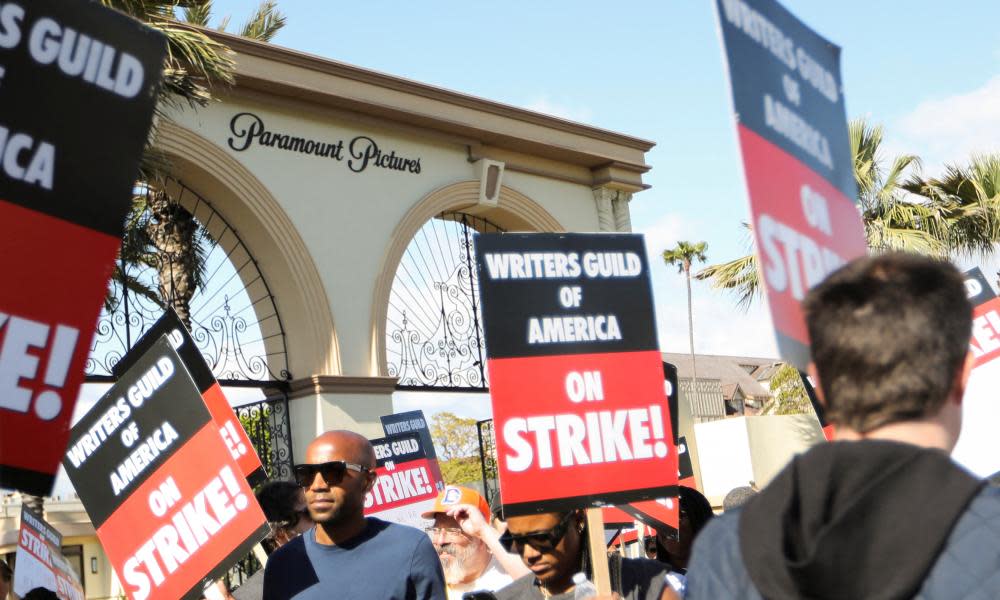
662	234
949	130
544	104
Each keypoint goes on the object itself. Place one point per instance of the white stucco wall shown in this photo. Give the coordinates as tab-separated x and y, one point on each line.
346	219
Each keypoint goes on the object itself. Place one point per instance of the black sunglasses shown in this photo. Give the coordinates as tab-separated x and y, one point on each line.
543	541
332	472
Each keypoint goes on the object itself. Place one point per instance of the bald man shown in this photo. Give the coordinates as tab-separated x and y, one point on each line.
347	555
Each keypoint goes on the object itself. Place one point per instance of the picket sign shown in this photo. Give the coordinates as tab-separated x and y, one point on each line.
405	484
40	561
978	447
70	143
580	406
164	490
792	127
413	421
170	326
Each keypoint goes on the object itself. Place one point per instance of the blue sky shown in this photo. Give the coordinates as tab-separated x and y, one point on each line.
926	70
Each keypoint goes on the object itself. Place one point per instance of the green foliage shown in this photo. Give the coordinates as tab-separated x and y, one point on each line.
454	436
195	63
788	395
462	471
685	254
739	276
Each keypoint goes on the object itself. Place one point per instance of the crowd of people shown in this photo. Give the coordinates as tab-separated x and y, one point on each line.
880	512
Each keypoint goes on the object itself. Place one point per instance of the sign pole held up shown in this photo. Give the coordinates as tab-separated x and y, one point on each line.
598	551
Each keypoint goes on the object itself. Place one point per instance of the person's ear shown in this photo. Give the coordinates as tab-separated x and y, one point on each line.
816	383
372	478
962	377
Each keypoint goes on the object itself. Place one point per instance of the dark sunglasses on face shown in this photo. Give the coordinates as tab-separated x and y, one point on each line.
332	472
543	541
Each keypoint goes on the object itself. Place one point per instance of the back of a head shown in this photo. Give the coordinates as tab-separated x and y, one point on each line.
278	500
40	593
888	335
737	497
696	506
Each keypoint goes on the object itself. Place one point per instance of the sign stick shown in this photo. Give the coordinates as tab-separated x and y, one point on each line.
258	551
598	551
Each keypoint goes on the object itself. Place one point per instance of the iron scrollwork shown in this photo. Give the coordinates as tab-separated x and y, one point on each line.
267	426
233	318
435	337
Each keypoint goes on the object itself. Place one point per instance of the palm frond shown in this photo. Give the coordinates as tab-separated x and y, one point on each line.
198	13
740	276
266	21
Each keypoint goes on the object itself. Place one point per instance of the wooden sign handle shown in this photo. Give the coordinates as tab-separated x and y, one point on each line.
598	551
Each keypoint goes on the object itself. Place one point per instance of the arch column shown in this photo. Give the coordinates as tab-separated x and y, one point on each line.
613	209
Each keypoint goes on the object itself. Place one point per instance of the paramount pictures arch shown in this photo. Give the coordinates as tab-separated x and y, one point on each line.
355	195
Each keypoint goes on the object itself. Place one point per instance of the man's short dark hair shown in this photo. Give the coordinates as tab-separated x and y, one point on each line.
5	572
888	335
278	500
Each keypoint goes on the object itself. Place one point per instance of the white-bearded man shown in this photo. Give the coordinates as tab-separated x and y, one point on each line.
469	548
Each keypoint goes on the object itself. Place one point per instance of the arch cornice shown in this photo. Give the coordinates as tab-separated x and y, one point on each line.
284	259
515	211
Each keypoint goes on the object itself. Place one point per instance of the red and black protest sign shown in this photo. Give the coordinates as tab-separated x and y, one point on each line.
985	342
162	488
413	421
792	127
40	562
77	88
406	485
576	377
232	432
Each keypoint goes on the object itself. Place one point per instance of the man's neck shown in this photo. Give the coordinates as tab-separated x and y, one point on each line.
476	570
927	433
331	534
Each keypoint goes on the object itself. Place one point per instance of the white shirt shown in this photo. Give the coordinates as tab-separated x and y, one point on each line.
492	578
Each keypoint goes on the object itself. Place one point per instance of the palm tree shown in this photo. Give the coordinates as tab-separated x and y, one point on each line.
683	256
957	214
161	233
969	197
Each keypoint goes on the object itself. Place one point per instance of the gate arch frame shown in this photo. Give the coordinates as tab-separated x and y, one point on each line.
270	236
515	212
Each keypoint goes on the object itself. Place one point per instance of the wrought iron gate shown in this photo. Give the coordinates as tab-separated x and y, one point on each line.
488	458
434	334
233	318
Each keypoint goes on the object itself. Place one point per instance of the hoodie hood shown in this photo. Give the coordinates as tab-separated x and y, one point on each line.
862	519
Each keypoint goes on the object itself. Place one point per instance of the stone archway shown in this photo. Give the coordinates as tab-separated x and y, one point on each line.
515	212
281	254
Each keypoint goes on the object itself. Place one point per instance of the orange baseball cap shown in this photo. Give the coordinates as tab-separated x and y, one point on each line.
456	494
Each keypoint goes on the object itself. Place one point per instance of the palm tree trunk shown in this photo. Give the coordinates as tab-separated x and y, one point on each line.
173	230
694	366
35	503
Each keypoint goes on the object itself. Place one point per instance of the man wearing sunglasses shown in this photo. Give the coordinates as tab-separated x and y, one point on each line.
348	555
554	548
